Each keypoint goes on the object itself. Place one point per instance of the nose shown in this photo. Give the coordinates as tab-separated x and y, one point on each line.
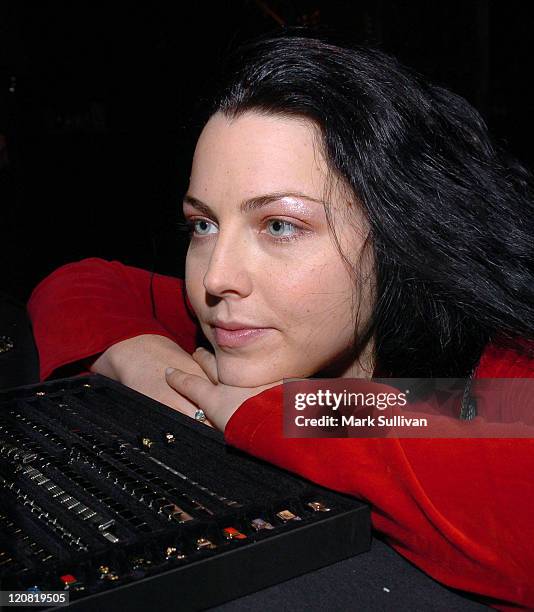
228	270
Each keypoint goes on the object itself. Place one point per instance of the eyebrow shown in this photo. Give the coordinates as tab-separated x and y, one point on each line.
251	203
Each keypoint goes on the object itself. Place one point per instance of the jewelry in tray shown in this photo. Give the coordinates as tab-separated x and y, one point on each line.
94	492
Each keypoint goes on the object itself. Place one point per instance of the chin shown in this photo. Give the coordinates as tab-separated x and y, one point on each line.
244	372
239	376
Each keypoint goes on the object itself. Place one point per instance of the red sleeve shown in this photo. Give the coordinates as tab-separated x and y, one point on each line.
459	509
82	308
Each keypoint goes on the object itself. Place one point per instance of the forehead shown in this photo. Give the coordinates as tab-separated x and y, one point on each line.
257	153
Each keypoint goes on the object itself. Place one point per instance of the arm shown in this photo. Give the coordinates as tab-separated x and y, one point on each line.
98	315
459	509
83	308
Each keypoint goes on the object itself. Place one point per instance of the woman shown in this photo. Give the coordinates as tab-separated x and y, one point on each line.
348	220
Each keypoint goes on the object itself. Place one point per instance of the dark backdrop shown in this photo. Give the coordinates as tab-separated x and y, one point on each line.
96	100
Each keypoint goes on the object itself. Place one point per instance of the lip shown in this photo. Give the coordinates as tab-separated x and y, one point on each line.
240	336
233	325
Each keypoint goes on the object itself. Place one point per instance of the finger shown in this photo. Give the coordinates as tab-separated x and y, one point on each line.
208	363
192	408
178	402
196	389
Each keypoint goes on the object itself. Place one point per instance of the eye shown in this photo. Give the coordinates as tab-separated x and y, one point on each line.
201	227
281	228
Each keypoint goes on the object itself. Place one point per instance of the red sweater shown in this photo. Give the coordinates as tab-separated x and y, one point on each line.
459	509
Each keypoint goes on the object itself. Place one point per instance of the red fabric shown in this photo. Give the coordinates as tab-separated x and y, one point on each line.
114	300
461	510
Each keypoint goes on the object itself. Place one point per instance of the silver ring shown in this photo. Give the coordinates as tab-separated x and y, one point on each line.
200	415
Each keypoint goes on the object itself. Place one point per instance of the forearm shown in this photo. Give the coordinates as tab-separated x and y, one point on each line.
83	308
423	493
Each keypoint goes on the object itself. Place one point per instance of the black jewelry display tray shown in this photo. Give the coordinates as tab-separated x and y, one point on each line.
73	447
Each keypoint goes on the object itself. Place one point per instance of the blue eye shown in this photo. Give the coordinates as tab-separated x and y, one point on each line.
279	226
279	230
201	227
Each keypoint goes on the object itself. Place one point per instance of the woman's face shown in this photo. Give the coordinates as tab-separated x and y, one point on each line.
262	259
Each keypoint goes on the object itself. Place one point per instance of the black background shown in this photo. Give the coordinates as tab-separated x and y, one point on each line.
96	102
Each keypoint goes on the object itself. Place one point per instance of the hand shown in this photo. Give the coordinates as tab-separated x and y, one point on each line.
140	363
217	400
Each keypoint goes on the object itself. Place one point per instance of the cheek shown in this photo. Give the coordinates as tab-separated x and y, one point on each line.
194	281
316	300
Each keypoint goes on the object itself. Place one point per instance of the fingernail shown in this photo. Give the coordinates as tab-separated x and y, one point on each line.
169	371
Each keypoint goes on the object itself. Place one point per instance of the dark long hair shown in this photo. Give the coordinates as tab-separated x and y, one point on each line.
451	216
